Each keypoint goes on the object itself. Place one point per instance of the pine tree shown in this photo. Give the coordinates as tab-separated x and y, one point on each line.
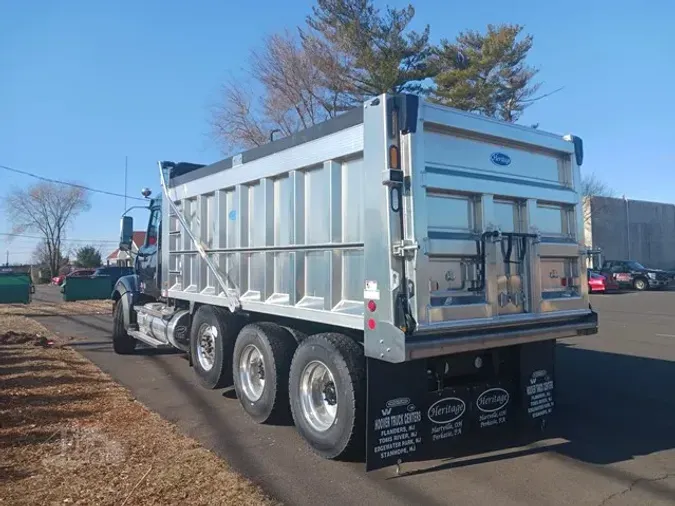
486	73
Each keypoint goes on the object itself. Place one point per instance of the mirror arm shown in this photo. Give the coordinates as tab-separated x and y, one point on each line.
135	207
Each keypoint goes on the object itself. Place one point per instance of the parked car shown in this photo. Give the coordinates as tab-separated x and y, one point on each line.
631	274
81	273
78	273
598	283
114	272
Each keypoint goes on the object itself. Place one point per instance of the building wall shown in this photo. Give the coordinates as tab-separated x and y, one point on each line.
634	230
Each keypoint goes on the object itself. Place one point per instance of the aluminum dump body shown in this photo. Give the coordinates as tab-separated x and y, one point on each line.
430	229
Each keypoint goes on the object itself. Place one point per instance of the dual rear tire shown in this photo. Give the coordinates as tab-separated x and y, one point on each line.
327	395
320	382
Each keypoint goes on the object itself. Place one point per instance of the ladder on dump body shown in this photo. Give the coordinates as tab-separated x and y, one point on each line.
232	299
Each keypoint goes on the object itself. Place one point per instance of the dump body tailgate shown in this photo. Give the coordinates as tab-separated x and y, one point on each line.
496	211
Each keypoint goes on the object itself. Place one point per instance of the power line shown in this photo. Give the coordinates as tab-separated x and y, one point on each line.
49	180
64	240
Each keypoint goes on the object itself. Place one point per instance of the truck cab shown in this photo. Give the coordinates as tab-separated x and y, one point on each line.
143	284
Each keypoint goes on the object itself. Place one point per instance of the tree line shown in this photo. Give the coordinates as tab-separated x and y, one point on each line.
349	50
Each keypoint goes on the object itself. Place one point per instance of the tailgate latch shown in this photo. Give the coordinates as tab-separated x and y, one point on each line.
404	248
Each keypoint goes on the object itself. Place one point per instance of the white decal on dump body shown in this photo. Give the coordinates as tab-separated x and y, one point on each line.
371	294
371	291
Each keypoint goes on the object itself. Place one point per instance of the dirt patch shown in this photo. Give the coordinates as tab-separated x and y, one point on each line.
70	435
20	330
40	308
12	337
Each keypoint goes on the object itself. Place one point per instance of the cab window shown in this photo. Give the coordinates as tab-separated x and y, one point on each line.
153	228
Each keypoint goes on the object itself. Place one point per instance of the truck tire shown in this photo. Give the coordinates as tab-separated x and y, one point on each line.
298	335
211	345
640	284
327	391
123	343
261	364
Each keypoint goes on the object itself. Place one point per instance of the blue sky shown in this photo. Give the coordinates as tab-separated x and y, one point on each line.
87	83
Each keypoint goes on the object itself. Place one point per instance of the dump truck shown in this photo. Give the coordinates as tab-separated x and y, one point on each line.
393	279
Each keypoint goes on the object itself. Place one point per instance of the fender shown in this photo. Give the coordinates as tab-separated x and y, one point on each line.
127	290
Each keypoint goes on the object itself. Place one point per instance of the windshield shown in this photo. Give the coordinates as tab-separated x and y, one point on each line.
634	265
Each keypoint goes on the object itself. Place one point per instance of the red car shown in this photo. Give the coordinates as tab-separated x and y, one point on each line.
77	273
597	283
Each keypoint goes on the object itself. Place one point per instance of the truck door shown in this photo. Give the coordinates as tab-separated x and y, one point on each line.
148	255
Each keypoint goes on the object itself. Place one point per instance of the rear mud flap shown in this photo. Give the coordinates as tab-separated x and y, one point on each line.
409	419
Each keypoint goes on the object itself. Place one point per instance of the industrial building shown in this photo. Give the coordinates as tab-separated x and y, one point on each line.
627	229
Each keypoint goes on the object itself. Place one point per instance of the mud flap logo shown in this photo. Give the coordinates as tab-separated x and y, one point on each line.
492	400
446	410
396	403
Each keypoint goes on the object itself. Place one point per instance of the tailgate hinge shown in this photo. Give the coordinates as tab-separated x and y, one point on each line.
404	248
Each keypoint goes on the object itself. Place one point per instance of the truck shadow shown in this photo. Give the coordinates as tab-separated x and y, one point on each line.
610	408
613	407
102	324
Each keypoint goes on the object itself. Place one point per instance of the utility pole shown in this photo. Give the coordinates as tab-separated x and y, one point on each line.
126	167
625	200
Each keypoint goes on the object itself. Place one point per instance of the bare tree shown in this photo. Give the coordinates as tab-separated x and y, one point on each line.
41	255
295	92
592	187
346	51
46	208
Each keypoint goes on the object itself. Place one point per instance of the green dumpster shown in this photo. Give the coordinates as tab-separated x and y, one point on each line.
15	288
99	287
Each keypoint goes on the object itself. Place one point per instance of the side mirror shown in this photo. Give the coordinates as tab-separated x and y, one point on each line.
126	233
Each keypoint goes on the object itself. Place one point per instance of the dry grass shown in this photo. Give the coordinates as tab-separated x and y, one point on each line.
71	435
41	308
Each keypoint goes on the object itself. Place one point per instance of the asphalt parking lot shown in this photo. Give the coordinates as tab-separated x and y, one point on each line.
612	443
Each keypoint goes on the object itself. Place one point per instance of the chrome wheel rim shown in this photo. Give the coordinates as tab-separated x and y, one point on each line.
206	346
252	372
318	396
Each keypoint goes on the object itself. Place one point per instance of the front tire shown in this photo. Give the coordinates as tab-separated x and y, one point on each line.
261	364
211	345
641	284
123	343
328	395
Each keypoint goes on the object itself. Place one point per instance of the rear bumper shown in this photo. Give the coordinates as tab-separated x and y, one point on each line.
503	332
606	287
